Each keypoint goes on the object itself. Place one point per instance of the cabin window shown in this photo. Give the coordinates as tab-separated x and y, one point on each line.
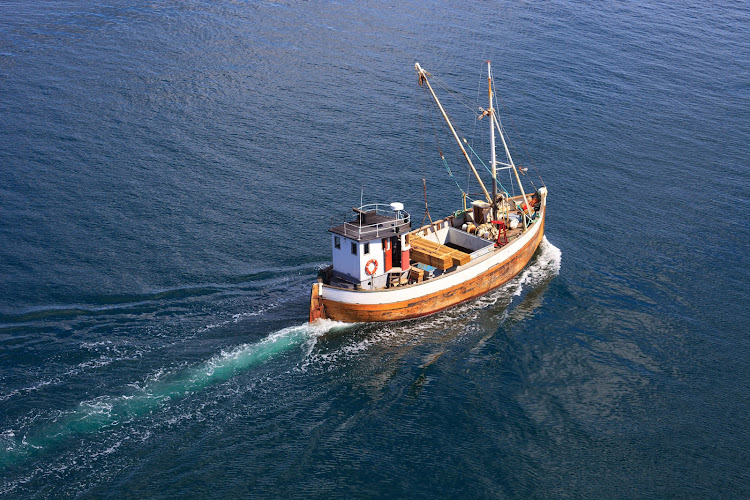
337	242
367	248
354	248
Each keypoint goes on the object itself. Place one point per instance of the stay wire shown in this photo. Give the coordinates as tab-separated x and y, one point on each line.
455	94
440	151
520	139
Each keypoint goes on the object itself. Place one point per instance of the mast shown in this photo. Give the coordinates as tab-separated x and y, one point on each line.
423	78
492	143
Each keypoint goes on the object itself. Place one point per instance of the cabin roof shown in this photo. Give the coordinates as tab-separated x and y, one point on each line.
369	226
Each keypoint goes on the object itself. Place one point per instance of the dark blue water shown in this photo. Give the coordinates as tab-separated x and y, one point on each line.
167	170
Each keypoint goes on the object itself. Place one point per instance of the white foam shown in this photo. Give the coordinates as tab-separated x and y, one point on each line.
547	264
158	389
236	318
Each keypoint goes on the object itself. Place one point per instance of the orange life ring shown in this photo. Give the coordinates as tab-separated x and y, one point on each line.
374	267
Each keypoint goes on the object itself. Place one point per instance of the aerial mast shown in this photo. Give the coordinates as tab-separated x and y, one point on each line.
493	161
513	165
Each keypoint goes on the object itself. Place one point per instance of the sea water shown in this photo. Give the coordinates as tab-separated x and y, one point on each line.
167	174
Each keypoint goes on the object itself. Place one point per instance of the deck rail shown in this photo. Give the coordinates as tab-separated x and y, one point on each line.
384	220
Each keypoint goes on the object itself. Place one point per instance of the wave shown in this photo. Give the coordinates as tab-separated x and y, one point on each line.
163	323
134	303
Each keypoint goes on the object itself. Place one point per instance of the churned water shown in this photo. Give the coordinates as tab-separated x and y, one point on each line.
167	173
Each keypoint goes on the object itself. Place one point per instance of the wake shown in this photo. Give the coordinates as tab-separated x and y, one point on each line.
108	412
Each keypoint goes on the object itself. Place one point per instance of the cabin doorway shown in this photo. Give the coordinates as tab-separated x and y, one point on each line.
396	251
392	252
387	254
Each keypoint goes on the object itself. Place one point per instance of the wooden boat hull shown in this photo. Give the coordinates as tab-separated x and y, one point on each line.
421	300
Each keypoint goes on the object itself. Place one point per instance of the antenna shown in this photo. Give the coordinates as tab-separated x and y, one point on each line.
426	207
361	215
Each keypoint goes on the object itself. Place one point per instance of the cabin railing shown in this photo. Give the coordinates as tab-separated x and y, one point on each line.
386	220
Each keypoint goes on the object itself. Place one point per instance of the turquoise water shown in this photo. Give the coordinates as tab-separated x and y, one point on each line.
168	174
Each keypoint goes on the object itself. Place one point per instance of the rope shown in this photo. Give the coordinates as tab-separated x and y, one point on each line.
451	174
455	94
426	206
440	151
458	96
487	168
533	164
518	206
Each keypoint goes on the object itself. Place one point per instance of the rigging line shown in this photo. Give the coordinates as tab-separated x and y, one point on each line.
459	133
500	184
517	204
487	168
442	156
426	206
434	130
440	152
507	113
522	170
459	96
451	174
460	161
460	157
455	94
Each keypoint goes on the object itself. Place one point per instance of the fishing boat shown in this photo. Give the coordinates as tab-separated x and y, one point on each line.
386	270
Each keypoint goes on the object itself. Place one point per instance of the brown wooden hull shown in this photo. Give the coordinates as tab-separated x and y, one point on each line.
432	303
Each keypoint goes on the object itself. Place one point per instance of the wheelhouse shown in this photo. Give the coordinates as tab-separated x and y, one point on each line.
371	246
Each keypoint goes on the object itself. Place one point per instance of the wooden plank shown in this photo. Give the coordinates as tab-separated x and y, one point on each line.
427	247
441	261
424	242
460	258
416	274
430	246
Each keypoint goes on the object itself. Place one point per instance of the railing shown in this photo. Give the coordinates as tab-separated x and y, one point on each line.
357	230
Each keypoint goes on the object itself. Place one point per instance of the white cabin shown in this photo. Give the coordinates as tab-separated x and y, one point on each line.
371	247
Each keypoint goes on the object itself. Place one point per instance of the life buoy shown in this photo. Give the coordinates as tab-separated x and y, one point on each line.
372	263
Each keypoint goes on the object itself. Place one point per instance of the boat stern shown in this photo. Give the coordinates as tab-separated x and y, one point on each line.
317	310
